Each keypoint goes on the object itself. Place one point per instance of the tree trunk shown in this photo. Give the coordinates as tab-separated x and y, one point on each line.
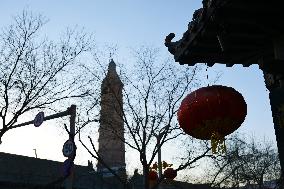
145	176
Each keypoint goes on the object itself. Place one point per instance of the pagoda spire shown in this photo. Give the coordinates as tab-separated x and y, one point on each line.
112	65
111	131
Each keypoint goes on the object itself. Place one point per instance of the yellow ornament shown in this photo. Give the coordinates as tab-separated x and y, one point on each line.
218	143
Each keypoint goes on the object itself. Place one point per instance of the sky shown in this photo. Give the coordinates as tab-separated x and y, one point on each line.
127	24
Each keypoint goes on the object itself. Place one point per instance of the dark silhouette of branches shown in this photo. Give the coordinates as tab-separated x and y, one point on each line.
246	162
152	94
38	73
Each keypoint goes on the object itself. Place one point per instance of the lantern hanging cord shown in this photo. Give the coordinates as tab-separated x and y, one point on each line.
207	74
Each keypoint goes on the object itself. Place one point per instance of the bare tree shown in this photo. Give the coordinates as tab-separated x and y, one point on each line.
152	95
38	73
247	162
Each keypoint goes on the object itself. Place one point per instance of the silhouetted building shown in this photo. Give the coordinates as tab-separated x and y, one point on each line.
22	172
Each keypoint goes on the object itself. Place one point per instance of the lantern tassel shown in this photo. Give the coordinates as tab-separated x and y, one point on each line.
218	143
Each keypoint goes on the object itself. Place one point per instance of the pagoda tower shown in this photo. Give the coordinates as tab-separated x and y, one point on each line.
111	131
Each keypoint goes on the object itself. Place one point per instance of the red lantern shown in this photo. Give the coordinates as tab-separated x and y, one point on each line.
212	113
153	175
170	173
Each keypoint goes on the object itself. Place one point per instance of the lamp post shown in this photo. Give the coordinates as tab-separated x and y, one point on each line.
158	137
159	155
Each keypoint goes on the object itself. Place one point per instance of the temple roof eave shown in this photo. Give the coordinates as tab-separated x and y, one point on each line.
229	32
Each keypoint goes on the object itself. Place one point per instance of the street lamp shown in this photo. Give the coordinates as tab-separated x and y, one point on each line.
159	153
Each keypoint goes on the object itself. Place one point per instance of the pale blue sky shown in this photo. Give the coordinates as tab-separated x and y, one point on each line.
129	23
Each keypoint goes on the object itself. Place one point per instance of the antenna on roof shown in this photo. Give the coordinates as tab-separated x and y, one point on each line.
35	153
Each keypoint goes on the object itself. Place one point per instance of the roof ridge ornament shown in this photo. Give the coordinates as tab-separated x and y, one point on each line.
171	45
